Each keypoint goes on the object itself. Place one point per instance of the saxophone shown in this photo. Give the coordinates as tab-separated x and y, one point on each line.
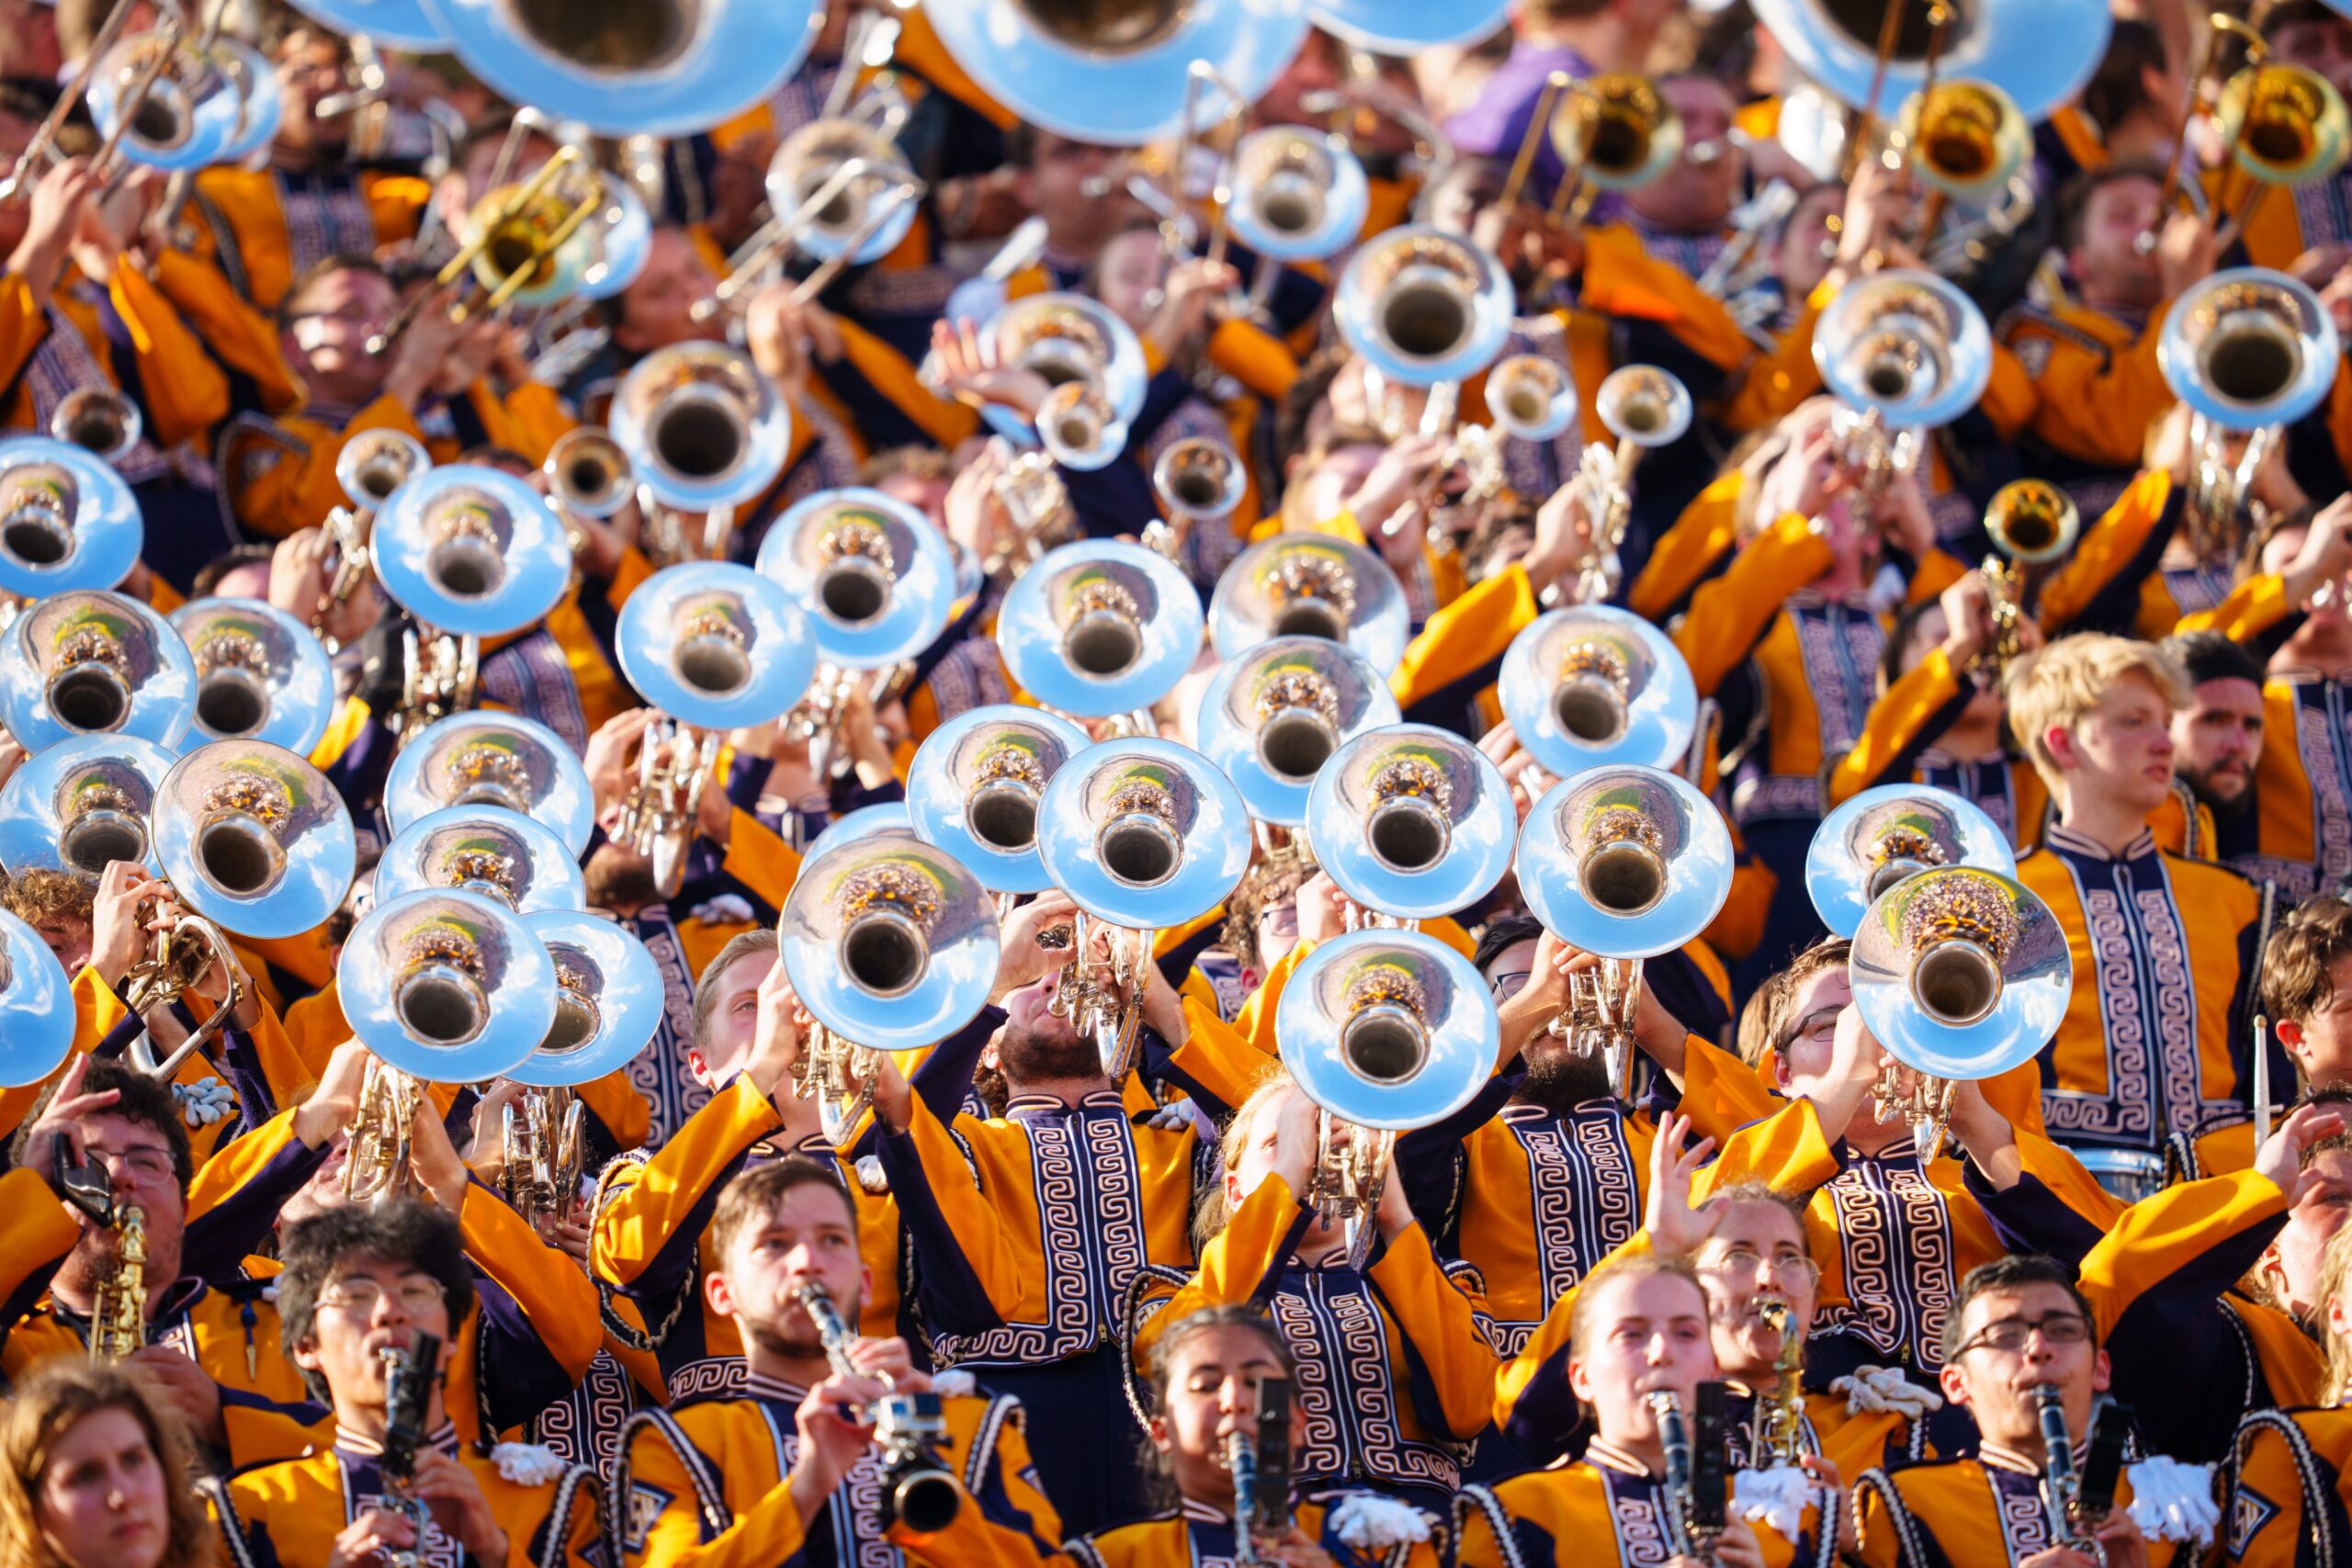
119	1314
1780	1419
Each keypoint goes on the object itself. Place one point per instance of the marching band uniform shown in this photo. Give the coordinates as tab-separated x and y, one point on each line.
2285	1505
1899	745
2303	832
287	1515
2150	1057
1604	1508
1947	1513
1405	1324
1195	1533
264	228
703	1485
2099	384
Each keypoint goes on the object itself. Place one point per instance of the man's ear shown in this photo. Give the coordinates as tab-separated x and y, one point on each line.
2102	1375
1579	1382
719	1293
2061	743
1955	1388
2290	1035
698	1067
306	1354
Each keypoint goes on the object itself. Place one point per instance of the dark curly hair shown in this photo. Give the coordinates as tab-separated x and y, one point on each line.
406	1232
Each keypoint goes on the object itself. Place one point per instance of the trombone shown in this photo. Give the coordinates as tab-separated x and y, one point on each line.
2033	524
1612	131
1644	408
2281	124
1625	863
1383	1031
1961	974
518	239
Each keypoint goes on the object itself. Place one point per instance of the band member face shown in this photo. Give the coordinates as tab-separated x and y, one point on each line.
1649	1335
2322	1044
370	1305
137	1161
1693	196
2291	1263
1214	1376
1801	1064
2120	751
809	1238
1281	1126
657	310
1807	244
2321	44
101	1500
1319	493
2014	1342
2108	261
309	70
1755	1254
734	1020
2217	740
1128	275
327	333
1079	189
69	939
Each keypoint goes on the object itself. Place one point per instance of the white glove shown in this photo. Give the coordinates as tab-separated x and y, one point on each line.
724	909
953	1383
1174	1117
205	1102
1875	1389
871	1175
1377	1524
527	1464
1777	1496
2172	1501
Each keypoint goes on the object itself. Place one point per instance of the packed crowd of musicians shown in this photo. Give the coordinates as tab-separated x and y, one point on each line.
1386	782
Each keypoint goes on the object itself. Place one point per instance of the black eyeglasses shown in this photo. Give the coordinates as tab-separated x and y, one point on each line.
2011	1335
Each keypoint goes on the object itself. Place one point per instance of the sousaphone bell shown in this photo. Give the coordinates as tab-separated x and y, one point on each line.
260	674
2042	54
499	855
89	663
36	1007
1273	718
82	805
1099	627
1411	821
494	759
1961	974
68	522
1310	585
1067	339
1143	835
1625	863
1888	834
1296	196
977	785
892	945
1385	1032
1906	346
1594	686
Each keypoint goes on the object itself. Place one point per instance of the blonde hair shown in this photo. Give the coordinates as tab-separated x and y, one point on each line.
2060	686
1584	1317
48	1404
2335	1279
1214	1212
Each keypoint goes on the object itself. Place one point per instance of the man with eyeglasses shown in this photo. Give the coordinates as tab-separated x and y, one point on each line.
2017	1325
211	1343
361	1286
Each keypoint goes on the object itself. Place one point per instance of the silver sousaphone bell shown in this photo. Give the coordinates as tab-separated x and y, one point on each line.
892	945
1887	834
1273	718
608	1002
1594	686
68	522
487	850
715	647
1099	627
2040	55
1625	863
260	674
90	663
494	759
1411	821
978	784
36	1007
1143	835
1961	974
1310	585
1385	1032
82	805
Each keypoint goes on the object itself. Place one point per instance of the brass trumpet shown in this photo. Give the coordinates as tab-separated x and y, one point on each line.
100	421
1646	408
588	474
2032	522
371	469
1612	131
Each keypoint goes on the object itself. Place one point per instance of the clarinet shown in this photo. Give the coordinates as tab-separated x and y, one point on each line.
409	1376
1685	1515
916	1488
2061	1484
1241	1463
833	1333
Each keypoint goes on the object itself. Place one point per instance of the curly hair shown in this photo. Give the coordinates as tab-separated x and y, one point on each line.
58	1395
1271	878
42	898
408	1233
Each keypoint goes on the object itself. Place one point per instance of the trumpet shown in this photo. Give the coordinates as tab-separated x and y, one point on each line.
68	521
1961	973
1886	835
1197	479
2250	351
100	421
1644	408
1143	835
1964	140
524	244
1593	686
1410	821
371	469
440	986
1384	1031
1535	398
891	946
715	647
588	474
1624	863
1273	718
1080	427
2032	522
